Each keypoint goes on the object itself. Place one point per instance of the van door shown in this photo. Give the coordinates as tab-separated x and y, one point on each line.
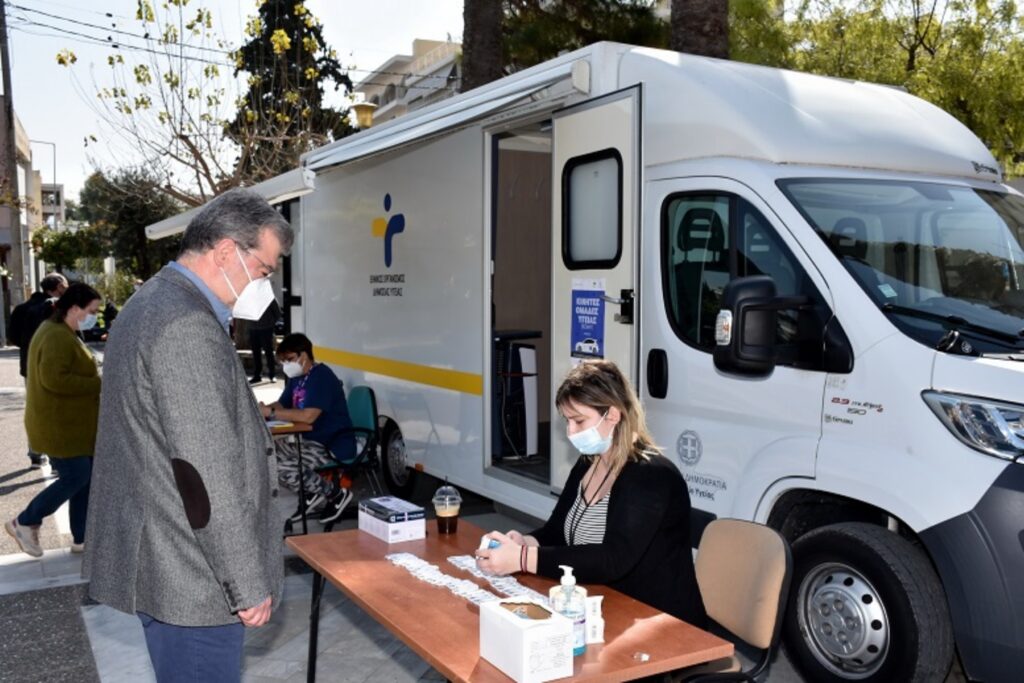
732	437
594	214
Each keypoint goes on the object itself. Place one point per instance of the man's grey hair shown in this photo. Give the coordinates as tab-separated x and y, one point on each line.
51	282
239	215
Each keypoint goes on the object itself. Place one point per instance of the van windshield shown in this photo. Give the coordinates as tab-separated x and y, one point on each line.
933	257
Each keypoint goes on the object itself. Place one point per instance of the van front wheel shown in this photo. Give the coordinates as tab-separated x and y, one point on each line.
865	605
398	476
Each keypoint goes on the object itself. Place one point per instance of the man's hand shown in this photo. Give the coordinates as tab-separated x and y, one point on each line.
256	616
264	410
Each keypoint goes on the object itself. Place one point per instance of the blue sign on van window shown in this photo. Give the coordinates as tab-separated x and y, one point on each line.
587	337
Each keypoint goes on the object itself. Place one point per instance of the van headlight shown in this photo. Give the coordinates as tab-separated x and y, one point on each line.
991	427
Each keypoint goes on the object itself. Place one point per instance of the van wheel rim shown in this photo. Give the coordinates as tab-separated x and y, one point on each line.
396	460
843	620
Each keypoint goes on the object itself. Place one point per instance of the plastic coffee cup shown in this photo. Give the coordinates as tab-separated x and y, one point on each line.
447	502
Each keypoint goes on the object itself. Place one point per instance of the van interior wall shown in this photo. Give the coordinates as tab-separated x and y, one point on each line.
522	256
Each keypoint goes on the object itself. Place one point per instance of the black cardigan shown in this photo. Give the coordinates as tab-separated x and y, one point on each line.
646	552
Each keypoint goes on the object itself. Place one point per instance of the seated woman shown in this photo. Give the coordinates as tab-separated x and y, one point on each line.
623	518
313	394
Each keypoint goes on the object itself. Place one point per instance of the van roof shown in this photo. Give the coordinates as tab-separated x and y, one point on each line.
697	107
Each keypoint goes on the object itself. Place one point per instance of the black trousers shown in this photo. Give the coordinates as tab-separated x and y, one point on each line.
262	341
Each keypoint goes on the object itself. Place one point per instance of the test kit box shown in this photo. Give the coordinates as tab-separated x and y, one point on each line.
392	519
526	640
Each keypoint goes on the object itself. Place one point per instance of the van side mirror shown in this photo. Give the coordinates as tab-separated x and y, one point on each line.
746	326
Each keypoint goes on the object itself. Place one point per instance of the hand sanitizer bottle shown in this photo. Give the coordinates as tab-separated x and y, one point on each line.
569	600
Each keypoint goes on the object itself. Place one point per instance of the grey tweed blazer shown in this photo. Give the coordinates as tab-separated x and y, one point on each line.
181	522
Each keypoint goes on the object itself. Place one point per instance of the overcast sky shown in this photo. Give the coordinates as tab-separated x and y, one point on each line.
53	108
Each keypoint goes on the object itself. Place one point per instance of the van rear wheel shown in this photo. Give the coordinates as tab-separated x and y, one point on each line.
398	476
866	605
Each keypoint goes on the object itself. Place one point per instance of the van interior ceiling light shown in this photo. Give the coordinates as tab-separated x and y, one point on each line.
991	427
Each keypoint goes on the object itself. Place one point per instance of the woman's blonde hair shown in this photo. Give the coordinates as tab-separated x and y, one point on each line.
600	385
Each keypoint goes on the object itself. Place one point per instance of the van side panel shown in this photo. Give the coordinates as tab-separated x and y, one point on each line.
412	329
881	444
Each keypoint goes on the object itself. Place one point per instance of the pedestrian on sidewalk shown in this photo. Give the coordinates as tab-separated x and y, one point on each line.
182	527
61	407
313	394
25	320
261	342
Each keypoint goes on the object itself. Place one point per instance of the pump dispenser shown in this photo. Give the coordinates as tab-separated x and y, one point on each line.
569	600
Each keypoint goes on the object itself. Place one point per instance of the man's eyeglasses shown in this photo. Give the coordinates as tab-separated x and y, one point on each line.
267	270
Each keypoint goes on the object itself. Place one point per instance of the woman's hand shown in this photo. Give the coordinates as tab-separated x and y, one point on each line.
502	560
264	410
523	540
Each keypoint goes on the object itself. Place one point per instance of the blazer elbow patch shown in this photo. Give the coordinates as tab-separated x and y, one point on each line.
193	493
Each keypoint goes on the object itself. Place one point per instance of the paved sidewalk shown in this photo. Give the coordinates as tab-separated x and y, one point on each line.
54	632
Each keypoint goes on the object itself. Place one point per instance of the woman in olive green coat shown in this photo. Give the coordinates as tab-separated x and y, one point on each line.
62	403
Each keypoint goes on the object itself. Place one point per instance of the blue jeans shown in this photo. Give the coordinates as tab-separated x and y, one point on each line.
193	654
72	487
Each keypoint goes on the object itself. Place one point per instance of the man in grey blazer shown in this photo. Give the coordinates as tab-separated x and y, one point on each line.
181	527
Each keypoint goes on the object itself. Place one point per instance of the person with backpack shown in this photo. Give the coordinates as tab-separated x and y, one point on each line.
25	320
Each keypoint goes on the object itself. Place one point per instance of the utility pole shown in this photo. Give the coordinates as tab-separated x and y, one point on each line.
10	168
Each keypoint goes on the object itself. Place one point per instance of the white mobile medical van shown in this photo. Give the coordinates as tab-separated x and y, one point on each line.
816	285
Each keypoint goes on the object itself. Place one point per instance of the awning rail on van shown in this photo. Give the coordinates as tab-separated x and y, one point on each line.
442	116
281	188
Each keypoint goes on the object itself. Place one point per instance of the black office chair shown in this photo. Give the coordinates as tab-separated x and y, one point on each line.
362	409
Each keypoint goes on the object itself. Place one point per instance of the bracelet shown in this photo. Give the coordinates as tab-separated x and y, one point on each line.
522	558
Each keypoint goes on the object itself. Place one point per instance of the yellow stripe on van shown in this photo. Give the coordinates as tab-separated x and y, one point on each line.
466	382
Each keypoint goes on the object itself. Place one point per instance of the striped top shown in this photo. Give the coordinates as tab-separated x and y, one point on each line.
585	524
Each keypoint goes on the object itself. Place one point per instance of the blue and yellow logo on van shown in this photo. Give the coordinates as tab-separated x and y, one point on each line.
387	227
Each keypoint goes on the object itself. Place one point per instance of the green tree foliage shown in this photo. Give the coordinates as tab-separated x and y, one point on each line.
62	249
288	66
118	208
116	288
537	30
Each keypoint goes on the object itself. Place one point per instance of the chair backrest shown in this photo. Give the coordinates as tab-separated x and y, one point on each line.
362	408
743	571
849	237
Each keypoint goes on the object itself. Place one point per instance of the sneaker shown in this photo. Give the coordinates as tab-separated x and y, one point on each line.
39	460
335	505
254	380
78	548
27	537
313	506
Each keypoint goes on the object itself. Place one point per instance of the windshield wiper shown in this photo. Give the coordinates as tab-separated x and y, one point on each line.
955	321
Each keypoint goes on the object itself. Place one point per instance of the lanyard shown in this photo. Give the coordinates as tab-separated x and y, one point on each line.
575	521
299	385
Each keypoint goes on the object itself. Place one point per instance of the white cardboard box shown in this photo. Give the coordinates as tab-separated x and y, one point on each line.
392	532
528	650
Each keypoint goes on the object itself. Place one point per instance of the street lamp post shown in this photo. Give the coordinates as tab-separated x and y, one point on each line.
53	195
54	145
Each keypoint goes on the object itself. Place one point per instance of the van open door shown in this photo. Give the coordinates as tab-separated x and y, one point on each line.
596	179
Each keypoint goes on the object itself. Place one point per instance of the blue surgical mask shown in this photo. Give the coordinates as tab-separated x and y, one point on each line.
87	323
590	441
